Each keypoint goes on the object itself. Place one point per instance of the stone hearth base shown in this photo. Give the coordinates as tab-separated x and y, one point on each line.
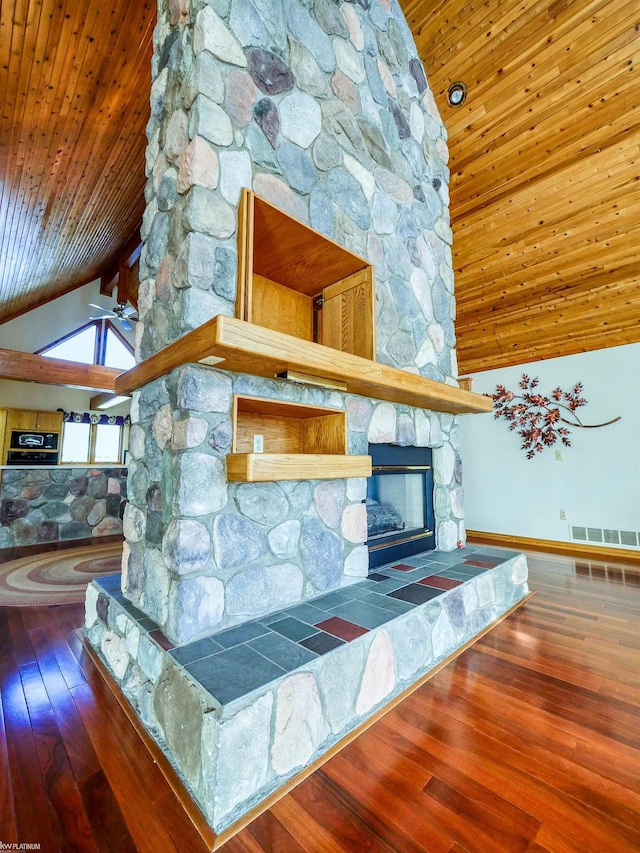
241	713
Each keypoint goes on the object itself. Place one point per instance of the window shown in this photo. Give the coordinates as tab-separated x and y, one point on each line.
117	352
92	443
79	346
99	342
91	439
75	442
106	446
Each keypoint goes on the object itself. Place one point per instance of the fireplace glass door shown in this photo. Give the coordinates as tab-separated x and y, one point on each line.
399	503
395	503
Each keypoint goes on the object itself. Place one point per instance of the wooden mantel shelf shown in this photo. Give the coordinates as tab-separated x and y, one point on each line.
244	347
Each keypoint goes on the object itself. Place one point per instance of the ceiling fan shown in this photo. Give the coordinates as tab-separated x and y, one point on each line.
120	312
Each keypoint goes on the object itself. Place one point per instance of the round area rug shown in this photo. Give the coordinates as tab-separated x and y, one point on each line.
56	577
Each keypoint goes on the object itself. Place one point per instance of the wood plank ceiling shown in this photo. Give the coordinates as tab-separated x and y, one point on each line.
544	156
544	160
74	88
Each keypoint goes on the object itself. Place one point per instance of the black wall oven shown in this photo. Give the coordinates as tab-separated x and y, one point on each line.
32	457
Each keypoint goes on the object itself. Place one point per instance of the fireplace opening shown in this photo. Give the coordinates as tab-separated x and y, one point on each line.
399	502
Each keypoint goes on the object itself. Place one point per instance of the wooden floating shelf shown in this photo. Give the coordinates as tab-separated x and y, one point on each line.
300	442
260	467
243	347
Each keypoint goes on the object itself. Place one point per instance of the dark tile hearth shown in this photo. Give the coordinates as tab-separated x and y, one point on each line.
416	593
322	643
234	672
237	661
293	629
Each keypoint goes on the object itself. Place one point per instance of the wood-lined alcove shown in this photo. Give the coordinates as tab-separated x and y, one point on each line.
293	279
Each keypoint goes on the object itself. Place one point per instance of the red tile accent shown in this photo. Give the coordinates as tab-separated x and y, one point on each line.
480	564
403	567
440	583
161	640
341	628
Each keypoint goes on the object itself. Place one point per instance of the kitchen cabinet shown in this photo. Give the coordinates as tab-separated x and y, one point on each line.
28	420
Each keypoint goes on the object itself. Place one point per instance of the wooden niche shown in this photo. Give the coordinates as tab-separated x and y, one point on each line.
295	280
299	442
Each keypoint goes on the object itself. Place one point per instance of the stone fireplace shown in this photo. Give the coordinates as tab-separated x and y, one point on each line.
328	116
324	112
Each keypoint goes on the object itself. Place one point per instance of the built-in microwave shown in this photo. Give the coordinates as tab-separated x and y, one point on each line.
23	440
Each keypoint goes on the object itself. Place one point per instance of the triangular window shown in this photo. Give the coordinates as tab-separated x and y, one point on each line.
117	351
99	342
77	346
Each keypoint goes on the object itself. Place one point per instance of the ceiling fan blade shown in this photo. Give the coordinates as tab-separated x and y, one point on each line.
129	311
103	317
125	324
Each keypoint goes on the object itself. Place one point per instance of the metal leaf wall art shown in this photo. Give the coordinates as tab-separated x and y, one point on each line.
541	421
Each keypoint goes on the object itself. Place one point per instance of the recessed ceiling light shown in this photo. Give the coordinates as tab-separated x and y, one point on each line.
456	94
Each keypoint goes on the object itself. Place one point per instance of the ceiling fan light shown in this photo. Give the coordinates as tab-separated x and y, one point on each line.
456	94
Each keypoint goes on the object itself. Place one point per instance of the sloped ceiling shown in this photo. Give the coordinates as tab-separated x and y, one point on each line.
544	160
74	88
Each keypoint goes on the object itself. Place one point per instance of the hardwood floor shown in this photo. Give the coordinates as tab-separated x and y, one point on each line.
529	741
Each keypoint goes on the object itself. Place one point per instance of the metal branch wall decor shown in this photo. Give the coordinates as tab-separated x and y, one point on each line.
541	421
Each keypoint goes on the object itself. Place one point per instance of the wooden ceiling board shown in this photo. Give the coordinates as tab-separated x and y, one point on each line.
544	158
75	77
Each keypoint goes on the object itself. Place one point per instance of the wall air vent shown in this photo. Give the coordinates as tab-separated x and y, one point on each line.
605	536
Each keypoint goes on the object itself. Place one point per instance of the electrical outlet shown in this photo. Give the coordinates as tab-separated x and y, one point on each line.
558	456
258	443
563	515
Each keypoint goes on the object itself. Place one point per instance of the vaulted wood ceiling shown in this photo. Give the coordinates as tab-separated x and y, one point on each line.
75	77
544	160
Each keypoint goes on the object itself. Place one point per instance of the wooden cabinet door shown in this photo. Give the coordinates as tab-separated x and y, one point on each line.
49	421
348	315
23	421
36	421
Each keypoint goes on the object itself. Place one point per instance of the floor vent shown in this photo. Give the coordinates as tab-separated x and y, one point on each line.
605	536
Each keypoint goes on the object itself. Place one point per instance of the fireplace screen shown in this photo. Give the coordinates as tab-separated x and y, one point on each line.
399	503
395	502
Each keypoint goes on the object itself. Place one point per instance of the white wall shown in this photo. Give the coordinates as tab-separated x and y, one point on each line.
42	326
597	482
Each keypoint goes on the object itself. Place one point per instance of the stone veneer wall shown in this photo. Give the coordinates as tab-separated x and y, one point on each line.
233	551
322	108
233	757
51	504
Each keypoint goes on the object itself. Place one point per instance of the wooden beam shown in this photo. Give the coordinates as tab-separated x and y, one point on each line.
109	279
28	367
117	271
99	401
